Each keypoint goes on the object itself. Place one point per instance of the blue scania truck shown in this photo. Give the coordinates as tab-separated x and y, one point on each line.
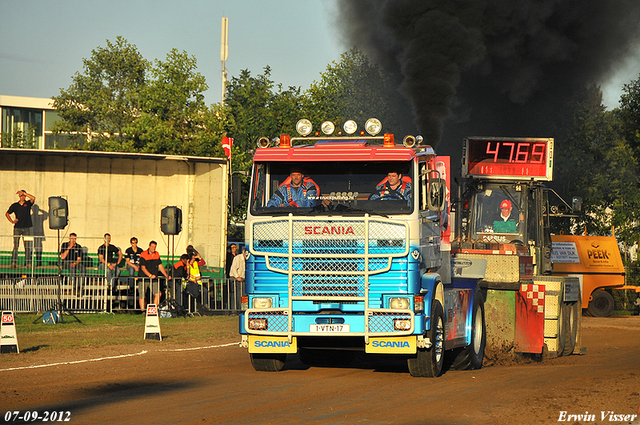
346	252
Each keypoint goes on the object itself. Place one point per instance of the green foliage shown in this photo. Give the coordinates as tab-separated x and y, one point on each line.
121	102
20	139
353	88
103	102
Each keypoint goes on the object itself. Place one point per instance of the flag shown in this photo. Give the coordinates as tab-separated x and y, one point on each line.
227	142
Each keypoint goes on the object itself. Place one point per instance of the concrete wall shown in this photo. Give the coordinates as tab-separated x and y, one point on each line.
122	194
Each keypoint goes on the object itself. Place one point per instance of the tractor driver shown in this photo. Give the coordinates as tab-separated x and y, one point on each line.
296	191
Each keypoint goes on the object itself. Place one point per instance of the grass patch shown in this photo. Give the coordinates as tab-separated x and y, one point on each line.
104	330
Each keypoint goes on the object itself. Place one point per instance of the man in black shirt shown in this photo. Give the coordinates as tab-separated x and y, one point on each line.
109	256
71	256
21	224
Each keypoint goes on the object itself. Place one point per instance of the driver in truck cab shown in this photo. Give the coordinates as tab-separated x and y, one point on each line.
508	220
296	191
394	187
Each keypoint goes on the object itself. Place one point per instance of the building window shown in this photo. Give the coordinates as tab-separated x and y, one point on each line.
21	128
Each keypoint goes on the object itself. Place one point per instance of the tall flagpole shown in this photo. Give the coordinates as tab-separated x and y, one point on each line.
224	54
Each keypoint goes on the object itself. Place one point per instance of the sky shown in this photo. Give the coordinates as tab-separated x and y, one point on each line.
44	41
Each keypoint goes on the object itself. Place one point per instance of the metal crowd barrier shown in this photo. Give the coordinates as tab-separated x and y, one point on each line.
92	294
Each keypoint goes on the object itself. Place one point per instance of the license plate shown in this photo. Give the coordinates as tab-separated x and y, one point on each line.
329	328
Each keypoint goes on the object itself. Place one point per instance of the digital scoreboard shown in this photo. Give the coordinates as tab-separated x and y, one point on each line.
508	158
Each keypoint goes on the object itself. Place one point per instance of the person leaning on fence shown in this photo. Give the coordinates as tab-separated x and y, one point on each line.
21	224
237	275
109	256
71	257
150	267
198	257
180	273
132	259
231	254
194	282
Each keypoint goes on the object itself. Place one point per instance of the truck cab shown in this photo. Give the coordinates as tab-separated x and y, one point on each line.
344	254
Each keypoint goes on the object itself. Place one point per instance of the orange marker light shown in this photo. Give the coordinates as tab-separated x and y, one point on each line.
285	141
388	140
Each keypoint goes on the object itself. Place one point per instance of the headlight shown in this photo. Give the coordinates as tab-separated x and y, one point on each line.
328	128
350	127
304	127
262	302
373	126
399	303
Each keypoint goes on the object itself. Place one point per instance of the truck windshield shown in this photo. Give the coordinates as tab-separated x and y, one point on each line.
357	187
499	214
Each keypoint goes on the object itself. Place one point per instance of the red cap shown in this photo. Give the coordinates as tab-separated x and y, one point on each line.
505	204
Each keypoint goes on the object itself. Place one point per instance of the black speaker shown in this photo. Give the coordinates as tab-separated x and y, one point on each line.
171	220
58	213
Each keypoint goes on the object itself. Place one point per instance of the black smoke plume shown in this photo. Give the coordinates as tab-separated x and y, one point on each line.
491	67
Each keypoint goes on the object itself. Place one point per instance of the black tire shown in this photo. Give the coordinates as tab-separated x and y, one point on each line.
601	304
561	329
570	327
268	362
427	362
471	356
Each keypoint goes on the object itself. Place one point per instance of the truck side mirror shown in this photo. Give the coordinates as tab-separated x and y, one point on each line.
436	198
576	205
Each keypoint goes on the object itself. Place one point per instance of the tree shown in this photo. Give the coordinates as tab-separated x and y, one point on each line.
102	102
173	113
350	89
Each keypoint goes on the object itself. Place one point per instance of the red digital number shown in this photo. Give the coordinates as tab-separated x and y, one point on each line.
495	152
522	152
513	145
537	153
7	318
152	310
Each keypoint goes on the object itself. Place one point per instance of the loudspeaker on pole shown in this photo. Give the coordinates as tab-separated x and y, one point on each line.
58	213
171	220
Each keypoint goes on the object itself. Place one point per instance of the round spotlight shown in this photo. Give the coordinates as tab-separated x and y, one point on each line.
263	142
419	140
328	128
373	126
350	127
304	127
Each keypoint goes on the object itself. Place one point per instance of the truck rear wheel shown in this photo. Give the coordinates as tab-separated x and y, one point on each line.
471	356
570	327
601	304
268	362
428	362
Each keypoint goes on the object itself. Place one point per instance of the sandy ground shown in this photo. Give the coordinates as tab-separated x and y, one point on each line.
213	382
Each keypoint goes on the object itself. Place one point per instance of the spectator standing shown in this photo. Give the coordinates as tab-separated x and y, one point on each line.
132	259
233	251
180	275
21	224
237	275
198	257
109	256
150	267
71	256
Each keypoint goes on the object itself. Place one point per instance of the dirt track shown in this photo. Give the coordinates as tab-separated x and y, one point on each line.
218	385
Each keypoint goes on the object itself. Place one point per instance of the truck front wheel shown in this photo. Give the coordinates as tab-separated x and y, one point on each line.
471	356
268	362
601	304
428	362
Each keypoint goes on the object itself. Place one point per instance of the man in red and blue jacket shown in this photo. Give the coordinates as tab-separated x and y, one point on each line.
296	191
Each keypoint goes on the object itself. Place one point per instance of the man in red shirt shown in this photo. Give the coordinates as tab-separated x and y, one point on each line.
150	267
